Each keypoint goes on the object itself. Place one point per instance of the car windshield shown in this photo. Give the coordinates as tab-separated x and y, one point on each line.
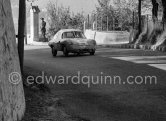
73	34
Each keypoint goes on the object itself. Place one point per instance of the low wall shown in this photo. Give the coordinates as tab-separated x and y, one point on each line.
111	37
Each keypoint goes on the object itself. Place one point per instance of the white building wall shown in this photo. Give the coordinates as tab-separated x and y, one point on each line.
34	26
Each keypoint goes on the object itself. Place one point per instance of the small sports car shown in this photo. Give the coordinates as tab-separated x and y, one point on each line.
71	41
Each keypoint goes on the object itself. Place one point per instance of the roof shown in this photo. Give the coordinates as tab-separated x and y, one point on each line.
68	30
35	9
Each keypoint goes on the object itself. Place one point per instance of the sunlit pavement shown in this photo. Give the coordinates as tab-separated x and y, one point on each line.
33	47
106	102
154	59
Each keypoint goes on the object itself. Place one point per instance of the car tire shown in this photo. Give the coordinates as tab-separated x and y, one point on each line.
54	51
92	52
65	51
78	54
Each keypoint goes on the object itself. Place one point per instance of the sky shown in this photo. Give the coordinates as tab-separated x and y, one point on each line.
87	6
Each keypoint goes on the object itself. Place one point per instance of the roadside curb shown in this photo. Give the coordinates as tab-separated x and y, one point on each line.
135	46
38	43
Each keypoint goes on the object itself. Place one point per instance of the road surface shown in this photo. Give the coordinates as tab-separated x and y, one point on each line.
129	95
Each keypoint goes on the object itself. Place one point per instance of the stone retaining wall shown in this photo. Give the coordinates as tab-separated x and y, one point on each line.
111	37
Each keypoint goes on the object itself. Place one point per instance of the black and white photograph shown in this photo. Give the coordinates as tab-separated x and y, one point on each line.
82	60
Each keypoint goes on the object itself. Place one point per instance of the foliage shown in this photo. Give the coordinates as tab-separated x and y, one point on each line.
60	17
105	12
118	13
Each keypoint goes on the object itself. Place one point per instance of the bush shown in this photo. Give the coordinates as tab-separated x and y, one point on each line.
61	18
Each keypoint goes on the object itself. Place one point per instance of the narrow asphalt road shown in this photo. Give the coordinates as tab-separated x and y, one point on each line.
103	92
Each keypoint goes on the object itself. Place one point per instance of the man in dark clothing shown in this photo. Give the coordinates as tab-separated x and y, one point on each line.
43	27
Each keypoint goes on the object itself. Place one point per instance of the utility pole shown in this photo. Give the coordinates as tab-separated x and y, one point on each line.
21	32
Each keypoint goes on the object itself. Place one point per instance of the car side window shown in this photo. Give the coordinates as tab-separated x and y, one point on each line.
64	36
68	35
79	34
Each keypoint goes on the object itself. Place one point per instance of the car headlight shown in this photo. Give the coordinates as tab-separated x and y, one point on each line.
92	42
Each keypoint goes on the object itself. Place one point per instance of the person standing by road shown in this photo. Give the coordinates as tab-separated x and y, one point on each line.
43	28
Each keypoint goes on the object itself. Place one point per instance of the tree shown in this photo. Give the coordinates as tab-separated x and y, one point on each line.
12	102
62	18
105	15
118	12
164	11
139	16
155	10
76	21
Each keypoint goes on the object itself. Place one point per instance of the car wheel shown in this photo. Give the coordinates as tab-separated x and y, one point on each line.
54	51
78	54
92	52
65	51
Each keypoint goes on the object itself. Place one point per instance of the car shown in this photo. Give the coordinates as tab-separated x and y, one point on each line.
71	41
